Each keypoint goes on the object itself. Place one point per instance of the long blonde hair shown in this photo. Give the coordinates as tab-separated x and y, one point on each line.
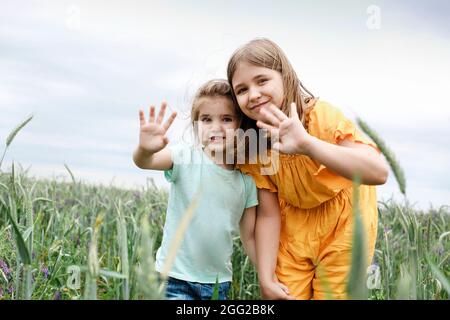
263	52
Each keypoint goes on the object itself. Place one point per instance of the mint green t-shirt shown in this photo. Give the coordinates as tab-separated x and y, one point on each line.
207	246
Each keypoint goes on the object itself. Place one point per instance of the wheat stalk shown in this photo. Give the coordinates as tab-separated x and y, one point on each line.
13	133
390	157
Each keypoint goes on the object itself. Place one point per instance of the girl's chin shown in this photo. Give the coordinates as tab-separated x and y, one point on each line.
258	117
254	115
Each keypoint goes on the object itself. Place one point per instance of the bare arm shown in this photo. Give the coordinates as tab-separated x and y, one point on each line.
267	235
161	160
350	158
346	159
151	152
247	231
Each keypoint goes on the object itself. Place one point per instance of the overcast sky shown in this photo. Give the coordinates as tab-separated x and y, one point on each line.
84	68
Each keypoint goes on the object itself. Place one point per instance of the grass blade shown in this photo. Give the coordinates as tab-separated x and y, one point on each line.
390	157
70	172
148	280
176	241
356	287
90	290
215	295
440	276
123	249
24	253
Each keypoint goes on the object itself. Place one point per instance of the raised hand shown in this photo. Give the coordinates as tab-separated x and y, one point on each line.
288	133
152	136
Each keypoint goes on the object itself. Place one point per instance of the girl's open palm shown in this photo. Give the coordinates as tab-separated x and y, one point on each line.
288	133
152	136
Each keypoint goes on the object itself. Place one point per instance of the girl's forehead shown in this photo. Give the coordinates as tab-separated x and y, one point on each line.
216	106
246	71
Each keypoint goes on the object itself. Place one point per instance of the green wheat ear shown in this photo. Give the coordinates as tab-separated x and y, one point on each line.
390	157
17	129
13	133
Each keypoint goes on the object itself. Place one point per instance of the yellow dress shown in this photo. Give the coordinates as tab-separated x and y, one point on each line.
316	212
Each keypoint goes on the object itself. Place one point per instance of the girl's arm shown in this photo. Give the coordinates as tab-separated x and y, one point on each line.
161	160
346	159
247	232
267	234
150	153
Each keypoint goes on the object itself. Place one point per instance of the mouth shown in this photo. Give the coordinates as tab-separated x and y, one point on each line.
259	106
216	139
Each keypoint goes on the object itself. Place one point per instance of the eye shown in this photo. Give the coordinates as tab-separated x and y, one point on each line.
227	119
241	91
205	119
262	81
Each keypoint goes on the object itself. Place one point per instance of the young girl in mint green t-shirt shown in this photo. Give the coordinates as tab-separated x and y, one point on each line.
227	200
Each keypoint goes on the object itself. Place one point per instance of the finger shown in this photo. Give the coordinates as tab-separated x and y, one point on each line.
294	112
270	132
285	288
277	112
152	114
266	126
276	146
162	111
270	117
141	117
169	121
274	132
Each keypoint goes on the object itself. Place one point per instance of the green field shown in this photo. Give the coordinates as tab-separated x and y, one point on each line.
101	230
61	240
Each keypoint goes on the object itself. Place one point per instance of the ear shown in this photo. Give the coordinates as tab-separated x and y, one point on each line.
311	103
306	106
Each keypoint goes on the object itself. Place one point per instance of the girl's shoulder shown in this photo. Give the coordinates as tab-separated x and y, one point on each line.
322	111
322	119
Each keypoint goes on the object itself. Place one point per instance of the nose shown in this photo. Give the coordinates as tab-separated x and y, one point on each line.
216	126
253	94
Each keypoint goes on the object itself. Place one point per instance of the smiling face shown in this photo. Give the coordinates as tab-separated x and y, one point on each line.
256	87
217	121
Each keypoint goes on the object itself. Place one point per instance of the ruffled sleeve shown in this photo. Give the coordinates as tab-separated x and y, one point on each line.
329	124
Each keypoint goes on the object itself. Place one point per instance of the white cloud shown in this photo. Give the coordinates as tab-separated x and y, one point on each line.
85	84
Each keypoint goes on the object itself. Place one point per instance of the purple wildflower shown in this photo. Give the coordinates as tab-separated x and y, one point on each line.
5	268
57	295
11	290
44	270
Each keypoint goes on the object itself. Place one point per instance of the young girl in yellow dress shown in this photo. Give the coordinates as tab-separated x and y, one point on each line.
320	151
